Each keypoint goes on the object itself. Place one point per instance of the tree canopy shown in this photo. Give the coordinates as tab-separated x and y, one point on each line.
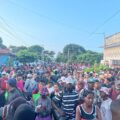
73	53
1	44
26	56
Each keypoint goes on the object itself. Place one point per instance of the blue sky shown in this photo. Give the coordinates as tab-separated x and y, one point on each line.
55	23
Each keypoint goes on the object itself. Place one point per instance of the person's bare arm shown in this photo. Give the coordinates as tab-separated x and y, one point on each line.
98	113
77	113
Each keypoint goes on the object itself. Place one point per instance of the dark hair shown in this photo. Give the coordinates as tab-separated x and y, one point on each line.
24	112
87	92
9	110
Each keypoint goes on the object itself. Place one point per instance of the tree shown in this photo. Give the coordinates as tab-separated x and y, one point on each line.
26	56
70	51
89	58
1	44
37	49
73	49
16	49
60	57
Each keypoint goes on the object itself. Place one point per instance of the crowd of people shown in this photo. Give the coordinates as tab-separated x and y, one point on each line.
54	91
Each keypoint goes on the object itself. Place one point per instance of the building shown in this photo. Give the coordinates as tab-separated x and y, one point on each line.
5	56
112	50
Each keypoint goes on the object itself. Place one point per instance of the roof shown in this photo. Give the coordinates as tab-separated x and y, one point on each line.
5	52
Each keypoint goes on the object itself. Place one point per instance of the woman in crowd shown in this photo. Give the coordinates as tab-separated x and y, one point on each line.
43	107
87	111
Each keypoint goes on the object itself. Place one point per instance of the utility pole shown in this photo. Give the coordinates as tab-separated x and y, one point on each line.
68	55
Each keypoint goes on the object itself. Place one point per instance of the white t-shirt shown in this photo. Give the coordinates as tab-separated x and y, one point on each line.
105	110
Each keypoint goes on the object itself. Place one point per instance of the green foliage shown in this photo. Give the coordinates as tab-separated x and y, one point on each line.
73	49
1	44
89	57
16	49
26	56
97	68
36	49
73	53
61	58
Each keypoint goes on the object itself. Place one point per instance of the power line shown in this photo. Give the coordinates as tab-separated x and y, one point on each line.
18	29
15	36
48	18
105	22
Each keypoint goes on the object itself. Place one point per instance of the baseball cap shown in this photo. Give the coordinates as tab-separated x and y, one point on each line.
69	81
3	73
29	75
91	80
105	90
11	82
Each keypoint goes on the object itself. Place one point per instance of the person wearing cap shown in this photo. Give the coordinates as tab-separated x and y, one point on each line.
43	107
67	101
105	105
13	92
90	87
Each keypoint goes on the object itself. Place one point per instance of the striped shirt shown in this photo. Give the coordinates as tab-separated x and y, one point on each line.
68	102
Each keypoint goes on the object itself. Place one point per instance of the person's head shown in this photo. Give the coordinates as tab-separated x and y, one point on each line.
29	76
97	84
69	84
117	85
91	83
56	87
24	112
35	76
44	92
104	93
11	83
79	85
17	102
4	74
107	81
115	109
88	98
19	78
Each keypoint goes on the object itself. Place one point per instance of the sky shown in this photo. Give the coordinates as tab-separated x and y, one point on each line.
55	23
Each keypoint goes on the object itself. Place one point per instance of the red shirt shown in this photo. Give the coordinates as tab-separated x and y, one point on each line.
3	83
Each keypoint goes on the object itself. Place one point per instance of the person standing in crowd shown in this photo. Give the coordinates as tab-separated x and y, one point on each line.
87	110
56	91
30	86
90	82
44	107
68	100
97	87
3	80
105	105
79	87
2	96
13	92
20	84
115	109
117	88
